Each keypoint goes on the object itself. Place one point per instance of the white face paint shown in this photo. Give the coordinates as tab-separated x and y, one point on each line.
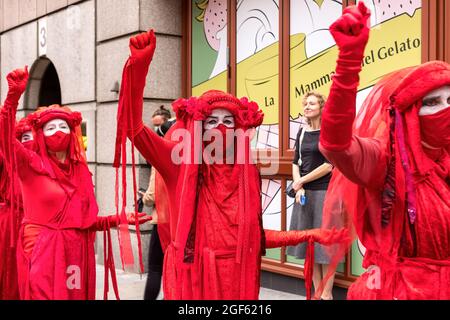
218	117
435	101
52	127
27	136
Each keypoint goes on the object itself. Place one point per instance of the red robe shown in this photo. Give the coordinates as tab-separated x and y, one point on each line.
9	289
211	268
55	258
411	257
61	265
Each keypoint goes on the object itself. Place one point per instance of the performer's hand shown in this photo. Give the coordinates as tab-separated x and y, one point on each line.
329	236
17	84
142	218
351	31
143	47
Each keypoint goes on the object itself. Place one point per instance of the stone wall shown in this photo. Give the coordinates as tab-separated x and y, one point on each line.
87	41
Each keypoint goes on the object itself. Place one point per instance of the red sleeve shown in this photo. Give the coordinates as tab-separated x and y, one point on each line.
364	162
360	159
157	151
23	157
278	239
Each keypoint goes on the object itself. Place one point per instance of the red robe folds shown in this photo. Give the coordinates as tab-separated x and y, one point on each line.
9	289
61	265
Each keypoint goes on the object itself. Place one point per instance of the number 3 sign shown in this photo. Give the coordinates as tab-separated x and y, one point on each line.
42	25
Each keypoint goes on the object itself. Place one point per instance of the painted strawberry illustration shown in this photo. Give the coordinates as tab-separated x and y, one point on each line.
387	9
214	19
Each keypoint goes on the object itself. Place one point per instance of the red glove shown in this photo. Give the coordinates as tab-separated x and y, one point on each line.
351	34
17	84
113	221
329	236
142	48
276	239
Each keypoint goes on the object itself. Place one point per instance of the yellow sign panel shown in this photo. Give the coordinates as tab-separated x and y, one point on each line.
394	44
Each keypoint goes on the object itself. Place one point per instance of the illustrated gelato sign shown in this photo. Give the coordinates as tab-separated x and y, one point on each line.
393	44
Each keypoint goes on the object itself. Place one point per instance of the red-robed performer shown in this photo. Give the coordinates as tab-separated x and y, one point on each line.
216	236
55	249
394	169
11	217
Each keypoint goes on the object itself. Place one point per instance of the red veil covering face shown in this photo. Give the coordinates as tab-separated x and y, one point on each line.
405	224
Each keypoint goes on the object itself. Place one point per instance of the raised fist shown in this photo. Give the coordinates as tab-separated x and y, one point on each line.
143	47
351	31
17	83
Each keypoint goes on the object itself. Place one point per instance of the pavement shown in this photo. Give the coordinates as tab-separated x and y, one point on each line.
131	287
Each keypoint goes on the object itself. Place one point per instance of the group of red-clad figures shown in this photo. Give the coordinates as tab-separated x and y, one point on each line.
390	187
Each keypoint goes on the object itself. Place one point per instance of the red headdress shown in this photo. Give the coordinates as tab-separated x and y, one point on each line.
38	119
22	126
76	152
390	115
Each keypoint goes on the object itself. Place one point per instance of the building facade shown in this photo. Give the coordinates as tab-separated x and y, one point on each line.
273	51
76	51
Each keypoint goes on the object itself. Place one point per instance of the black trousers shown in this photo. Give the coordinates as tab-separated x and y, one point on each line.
155	264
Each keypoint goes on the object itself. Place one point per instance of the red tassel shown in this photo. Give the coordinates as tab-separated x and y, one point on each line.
123	127
105	264
308	268
111	265
108	260
135	189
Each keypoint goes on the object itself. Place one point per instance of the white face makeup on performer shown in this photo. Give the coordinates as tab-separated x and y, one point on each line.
27	136
436	101
53	126
218	117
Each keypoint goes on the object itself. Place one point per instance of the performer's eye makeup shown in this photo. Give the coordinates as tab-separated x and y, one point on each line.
431	102
229	120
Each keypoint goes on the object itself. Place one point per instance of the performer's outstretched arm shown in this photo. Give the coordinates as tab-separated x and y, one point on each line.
357	158
276	239
9	146
155	149
113	221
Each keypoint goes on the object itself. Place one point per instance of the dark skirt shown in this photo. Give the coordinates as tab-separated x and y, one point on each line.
308	217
